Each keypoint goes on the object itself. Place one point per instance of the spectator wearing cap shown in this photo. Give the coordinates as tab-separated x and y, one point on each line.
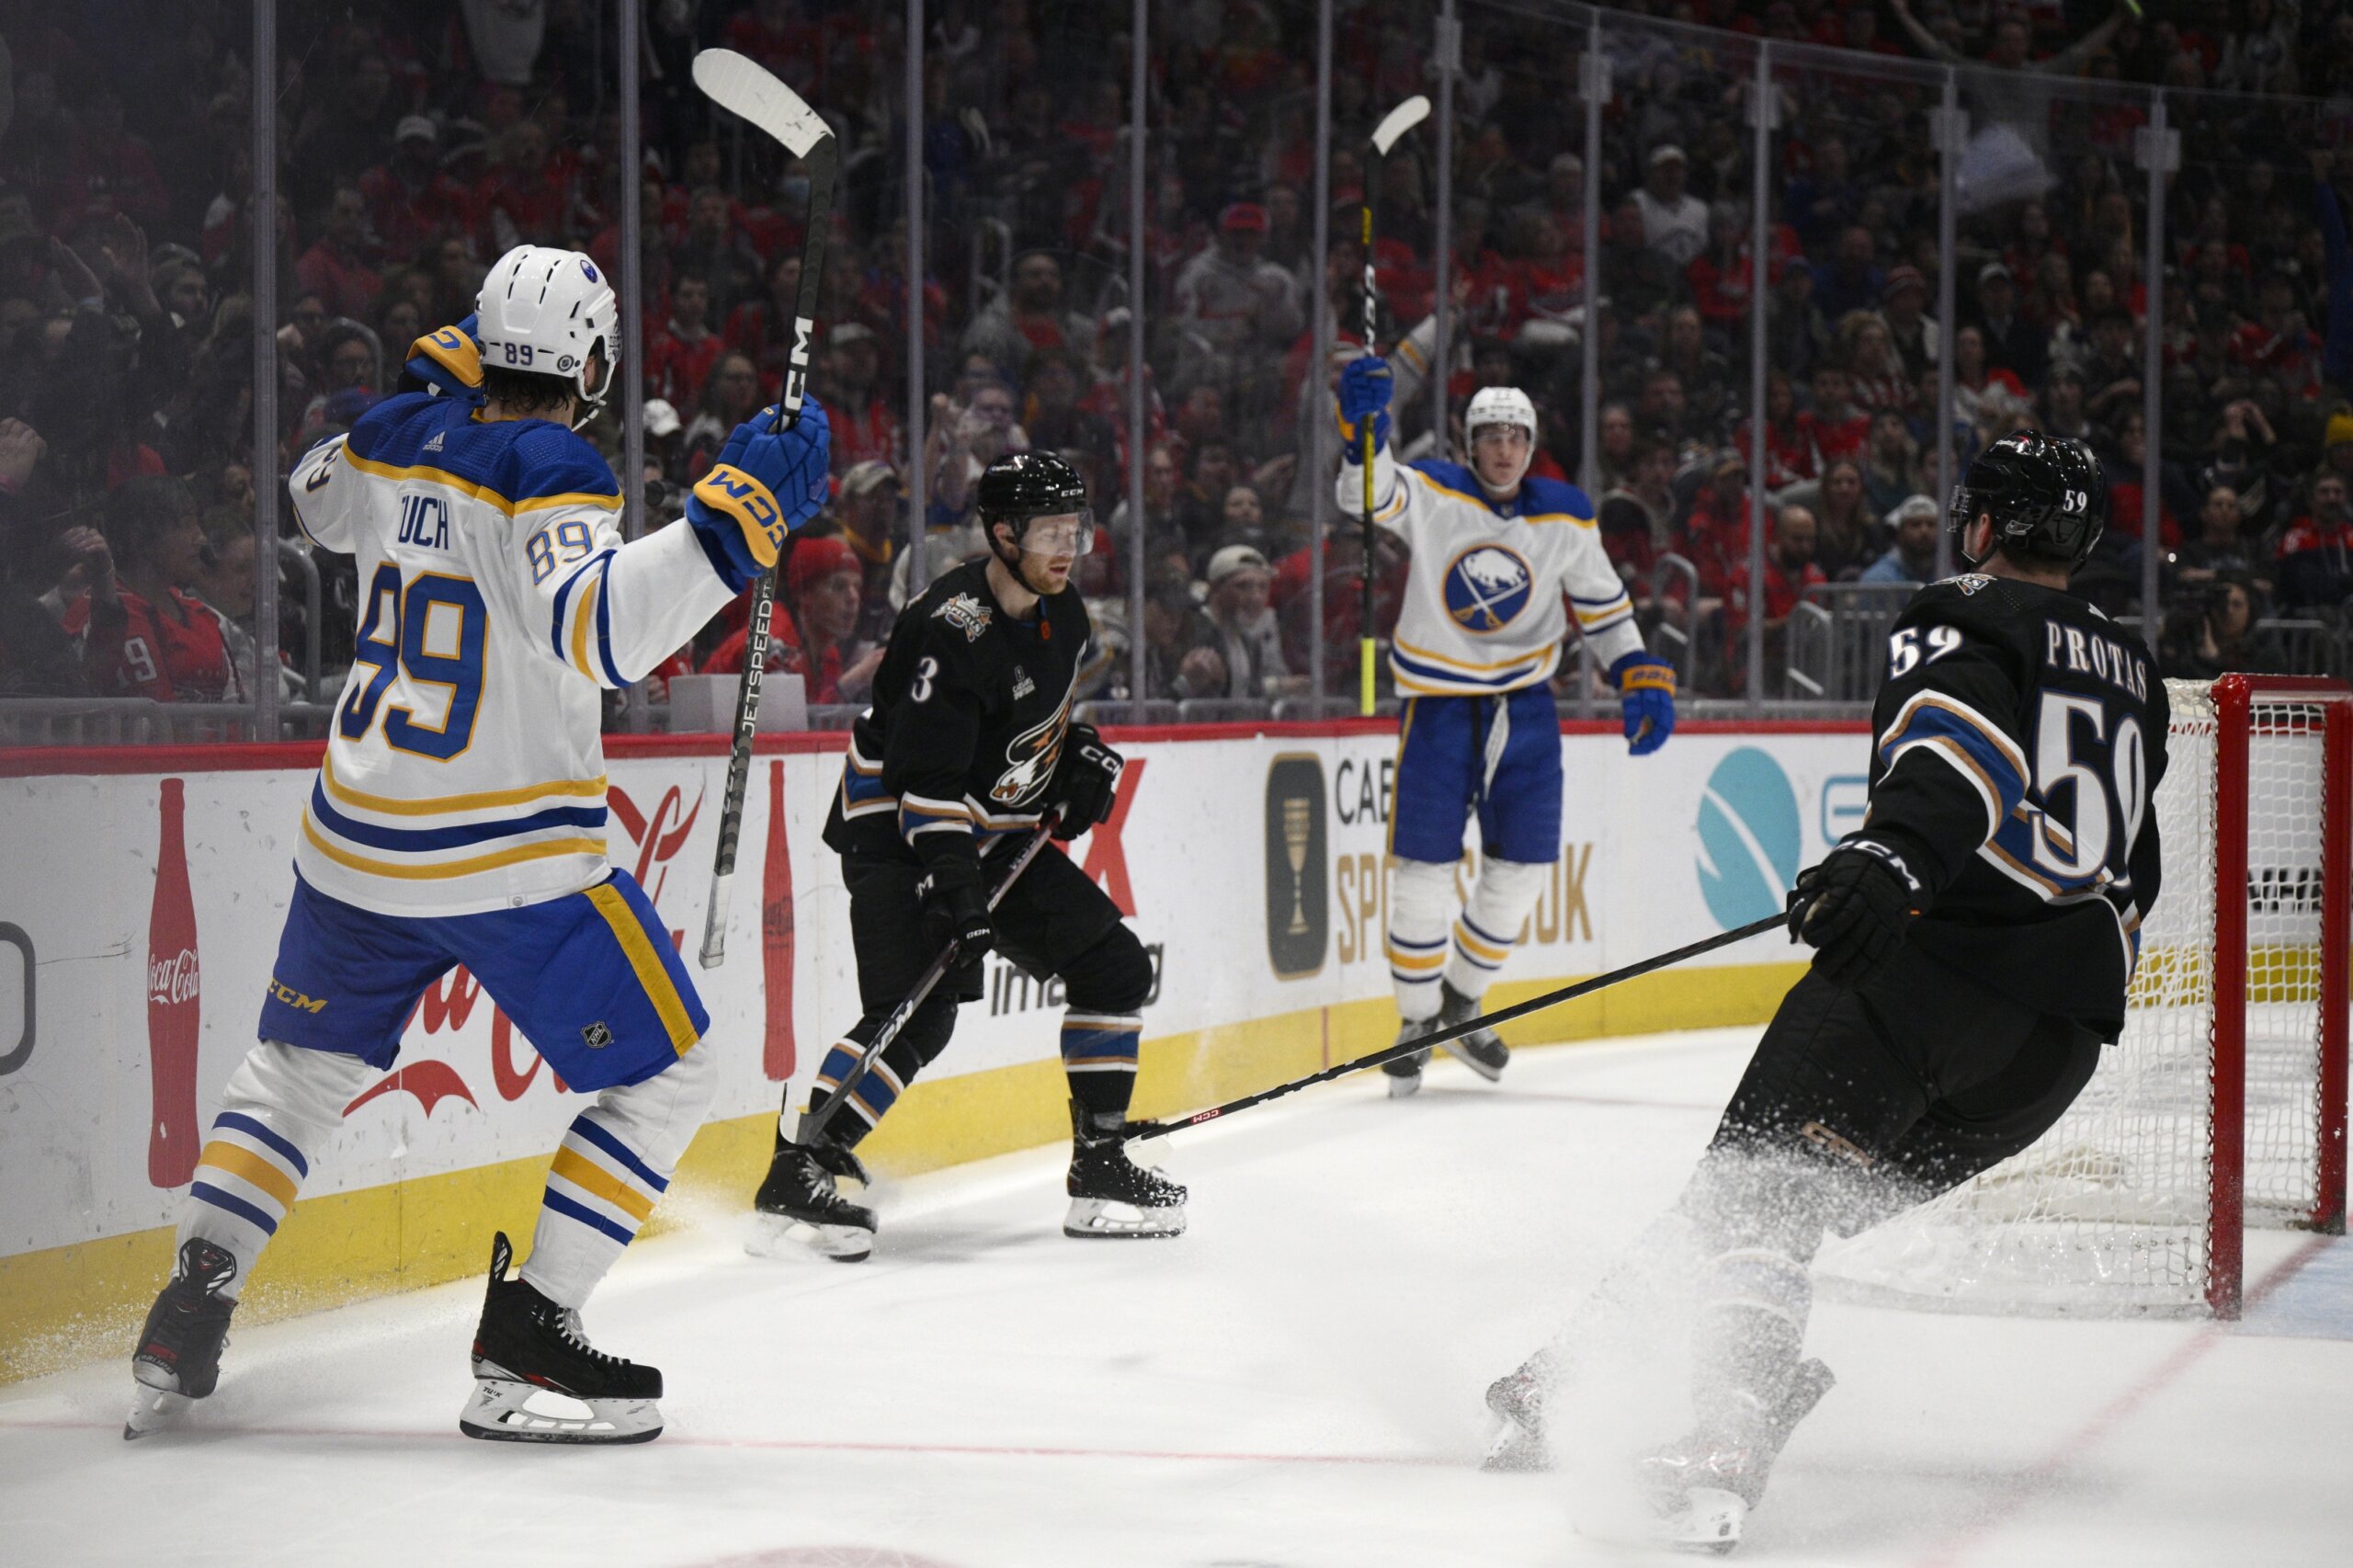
335	269
817	637
1028	316
1912	557
871	515
864	426
1675	221
2012	342
1242	630
1905	304
411	202
1237	303
2221	547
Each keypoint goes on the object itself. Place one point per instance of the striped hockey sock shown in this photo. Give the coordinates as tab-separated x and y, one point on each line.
1099	1058
246	1179
1491	922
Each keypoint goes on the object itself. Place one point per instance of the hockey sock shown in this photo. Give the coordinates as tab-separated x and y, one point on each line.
875	1093
1490	923
1751	1327
1099	1058
1421	898
280	1103
614	1163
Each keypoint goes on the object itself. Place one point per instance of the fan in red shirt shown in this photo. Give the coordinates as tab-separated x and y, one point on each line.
141	634
1840	429
1790	570
686	349
1789	436
411	203
817	637
864	429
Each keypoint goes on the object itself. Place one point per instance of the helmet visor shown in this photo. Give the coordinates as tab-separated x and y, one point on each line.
1059	534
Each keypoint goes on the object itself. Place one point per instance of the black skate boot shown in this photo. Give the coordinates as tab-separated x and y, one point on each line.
178	1355
799	1207
1111	1195
1481	1050
1518	1399
1405	1072
1704	1484
526	1343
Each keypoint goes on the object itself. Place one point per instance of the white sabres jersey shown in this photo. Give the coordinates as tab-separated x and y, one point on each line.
465	769
1488	600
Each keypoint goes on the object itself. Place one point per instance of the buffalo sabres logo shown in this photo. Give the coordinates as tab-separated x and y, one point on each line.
1030	759
1486	587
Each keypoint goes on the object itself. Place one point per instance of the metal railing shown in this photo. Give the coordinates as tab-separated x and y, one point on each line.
1837	638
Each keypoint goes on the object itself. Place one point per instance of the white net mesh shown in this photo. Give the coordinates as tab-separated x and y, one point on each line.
2108	1213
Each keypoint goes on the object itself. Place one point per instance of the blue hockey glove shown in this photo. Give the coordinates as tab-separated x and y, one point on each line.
762	487
1364	394
1646	693
449	362
1853	908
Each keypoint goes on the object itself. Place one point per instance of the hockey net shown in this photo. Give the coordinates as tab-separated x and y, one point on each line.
2223	1104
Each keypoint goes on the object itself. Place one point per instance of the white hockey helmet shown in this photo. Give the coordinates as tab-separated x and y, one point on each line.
544	311
1501	405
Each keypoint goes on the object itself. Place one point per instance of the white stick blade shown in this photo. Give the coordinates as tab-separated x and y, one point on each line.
1398	121
742	86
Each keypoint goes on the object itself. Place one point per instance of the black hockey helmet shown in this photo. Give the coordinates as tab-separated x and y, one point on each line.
2045	495
1022	486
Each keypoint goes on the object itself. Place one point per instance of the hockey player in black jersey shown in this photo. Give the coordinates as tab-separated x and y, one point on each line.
1973	941
969	745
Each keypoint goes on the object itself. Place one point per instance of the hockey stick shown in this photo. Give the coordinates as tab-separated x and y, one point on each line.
925	984
1398	121
742	87
1139	1130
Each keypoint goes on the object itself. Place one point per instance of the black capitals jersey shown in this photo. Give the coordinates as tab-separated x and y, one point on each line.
2018	745
971	707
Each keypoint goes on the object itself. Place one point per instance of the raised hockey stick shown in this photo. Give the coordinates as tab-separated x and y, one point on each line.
744	88
924	985
1398	121
1139	1130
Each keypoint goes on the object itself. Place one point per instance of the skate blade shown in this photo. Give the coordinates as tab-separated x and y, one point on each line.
1514	1449
1709	1519
156	1410
505	1411
1493	1072
775	1235
1102	1218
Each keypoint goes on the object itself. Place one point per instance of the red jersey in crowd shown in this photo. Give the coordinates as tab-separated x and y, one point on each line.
1782	590
676	369
2124	513
1790	453
863	435
176	654
1835	439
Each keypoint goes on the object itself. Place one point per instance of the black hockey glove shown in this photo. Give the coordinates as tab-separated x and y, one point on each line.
1086	785
1853	908
955	910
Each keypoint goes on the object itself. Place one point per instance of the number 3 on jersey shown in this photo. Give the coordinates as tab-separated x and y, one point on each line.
432	631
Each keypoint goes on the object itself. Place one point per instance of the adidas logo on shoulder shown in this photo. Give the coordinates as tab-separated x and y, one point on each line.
435	444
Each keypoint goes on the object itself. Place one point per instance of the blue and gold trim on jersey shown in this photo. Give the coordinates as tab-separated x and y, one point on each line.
919	814
1426	674
637	945
862	791
1601	615
448	805
512	466
581	622
442	870
1975	748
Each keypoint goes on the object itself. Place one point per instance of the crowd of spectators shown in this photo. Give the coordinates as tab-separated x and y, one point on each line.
418	139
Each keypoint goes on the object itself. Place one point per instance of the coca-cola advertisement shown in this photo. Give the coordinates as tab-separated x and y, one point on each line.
175	1001
776	936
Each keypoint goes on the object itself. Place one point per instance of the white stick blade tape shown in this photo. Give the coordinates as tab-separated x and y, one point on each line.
744	87
1400	120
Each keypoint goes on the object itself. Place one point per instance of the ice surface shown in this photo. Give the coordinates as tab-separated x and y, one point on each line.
1296	1382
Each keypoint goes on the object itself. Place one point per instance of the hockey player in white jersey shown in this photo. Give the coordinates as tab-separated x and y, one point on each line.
1497	556
459	817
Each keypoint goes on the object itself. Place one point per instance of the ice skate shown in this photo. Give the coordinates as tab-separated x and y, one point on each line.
797	1207
1481	1050
1404	1073
1516	1400
1704	1484
178	1357
527	1347
1111	1195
